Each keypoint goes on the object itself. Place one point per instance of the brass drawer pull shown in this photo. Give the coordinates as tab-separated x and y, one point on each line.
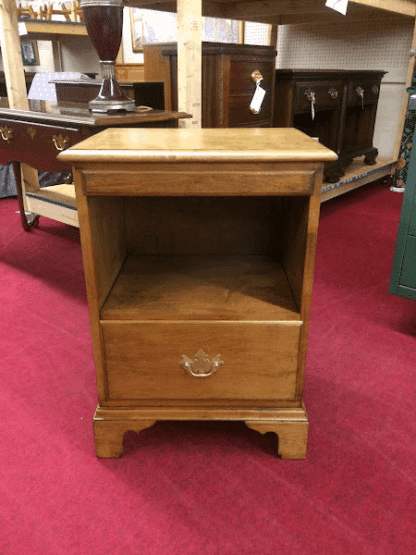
256	76
60	142
6	133
201	366
333	93
375	90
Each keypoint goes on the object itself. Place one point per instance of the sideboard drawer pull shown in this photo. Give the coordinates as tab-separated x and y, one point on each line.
60	142
360	92
310	95
6	133
201	366
333	93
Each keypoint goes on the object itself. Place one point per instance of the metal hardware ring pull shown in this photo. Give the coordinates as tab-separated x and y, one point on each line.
374	89
201	366
360	92
60	142
310	95
6	133
333	93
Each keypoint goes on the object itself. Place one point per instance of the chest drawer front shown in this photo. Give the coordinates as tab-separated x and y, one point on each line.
36	144
240	113
328	95
241	81
359	91
242	89
249	361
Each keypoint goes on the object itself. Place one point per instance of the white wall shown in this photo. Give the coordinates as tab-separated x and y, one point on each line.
78	54
129	57
45	58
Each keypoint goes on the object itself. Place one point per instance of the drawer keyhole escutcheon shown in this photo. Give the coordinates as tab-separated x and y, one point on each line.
201	366
31	132
60	142
6	133
333	93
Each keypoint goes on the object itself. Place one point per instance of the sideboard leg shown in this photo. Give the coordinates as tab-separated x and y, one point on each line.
108	435
293	436
370	157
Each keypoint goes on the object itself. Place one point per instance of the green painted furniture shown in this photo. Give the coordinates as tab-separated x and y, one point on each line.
403	276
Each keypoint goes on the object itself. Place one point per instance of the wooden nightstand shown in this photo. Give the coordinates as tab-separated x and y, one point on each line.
198	249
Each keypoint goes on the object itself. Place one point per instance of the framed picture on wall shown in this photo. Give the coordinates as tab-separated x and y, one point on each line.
30	52
136	22
152	27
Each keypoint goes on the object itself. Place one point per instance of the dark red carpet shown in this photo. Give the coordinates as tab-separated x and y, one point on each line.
202	488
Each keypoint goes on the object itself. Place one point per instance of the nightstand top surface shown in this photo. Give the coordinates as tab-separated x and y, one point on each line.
205	145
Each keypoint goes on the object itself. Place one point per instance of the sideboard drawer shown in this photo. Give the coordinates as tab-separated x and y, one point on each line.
327	95
360	92
147	360
18	138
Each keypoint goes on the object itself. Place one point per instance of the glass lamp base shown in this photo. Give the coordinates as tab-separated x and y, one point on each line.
105	106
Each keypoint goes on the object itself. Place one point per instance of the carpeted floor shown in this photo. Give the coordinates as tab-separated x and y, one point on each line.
209	488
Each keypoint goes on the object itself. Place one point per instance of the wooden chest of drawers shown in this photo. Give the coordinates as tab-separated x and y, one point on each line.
338	107
198	248
227	83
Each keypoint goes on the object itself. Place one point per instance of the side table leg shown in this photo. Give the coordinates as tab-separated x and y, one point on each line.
108	435
34	219
293	436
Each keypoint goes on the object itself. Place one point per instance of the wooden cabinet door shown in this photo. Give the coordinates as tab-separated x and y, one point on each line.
403	276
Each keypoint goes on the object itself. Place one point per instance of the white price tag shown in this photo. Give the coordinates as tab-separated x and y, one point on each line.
256	101
22	29
338	5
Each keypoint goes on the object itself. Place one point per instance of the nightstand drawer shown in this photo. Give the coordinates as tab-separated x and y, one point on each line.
201	360
36	144
326	95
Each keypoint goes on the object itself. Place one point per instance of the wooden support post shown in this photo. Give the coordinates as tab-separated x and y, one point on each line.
272	35
12	58
241	32
190	61
14	73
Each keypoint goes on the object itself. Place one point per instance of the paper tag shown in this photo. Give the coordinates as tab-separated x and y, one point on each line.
338	5
21	28
256	101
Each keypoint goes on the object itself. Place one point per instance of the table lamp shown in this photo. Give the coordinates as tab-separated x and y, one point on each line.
104	23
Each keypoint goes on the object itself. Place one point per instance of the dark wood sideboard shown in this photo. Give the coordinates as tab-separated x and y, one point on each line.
336	106
36	136
227	83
